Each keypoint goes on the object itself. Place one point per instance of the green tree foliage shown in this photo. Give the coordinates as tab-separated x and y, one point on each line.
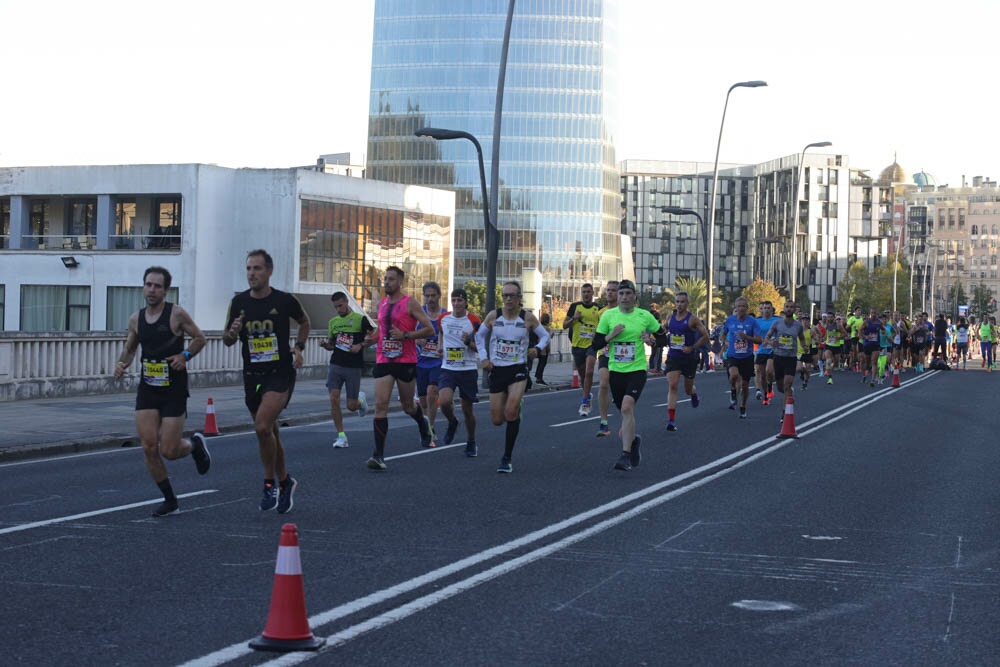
762	290
696	289
866	290
956	297
982	302
477	297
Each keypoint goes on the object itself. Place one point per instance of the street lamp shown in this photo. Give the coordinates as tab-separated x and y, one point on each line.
489	225
793	263
895	266
715	185
677	210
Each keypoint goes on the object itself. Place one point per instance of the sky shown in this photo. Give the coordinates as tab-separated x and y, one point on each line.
267	84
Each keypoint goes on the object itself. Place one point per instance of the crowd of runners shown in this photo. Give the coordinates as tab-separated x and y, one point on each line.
427	353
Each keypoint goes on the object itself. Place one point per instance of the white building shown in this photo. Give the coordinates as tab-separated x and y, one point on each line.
75	241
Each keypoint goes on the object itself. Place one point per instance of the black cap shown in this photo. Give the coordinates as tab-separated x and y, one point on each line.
626	284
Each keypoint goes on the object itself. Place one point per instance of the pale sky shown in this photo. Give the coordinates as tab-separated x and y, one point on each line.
268	84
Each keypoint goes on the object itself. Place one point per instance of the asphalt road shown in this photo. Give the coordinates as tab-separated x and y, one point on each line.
870	540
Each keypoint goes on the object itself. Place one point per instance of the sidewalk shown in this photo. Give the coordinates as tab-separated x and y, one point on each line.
65	425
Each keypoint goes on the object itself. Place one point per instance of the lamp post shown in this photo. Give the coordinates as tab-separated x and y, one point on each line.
715	185
895	265
489	225
793	262
677	210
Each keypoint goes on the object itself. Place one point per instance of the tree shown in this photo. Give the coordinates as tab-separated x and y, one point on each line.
762	290
696	289
956	297
477	297
983	302
857	289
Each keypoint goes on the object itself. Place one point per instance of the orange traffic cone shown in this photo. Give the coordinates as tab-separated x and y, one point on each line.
895	376
287	626
576	379
211	428
788	425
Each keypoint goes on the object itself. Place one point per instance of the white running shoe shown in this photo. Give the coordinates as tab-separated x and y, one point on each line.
363	408
340	442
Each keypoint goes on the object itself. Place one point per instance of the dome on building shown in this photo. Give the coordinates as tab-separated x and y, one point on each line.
894	173
924	180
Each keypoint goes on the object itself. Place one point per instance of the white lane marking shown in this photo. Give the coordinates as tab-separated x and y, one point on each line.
65	457
86	515
240	649
765	605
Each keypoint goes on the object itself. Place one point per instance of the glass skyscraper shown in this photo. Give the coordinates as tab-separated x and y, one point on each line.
435	64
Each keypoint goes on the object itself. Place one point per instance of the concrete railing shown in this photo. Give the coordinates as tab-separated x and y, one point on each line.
54	365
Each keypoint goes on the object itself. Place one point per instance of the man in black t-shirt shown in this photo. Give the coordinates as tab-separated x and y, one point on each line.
259	319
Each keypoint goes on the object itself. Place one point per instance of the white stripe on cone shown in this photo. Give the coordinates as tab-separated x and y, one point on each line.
789	408
288	561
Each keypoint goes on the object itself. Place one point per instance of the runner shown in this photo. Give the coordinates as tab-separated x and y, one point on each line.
940	338
161	399
986	334
504	360
348	334
458	368
807	355
581	320
543	355
835	336
765	367
855	345
429	359
603	373
259	320
918	343
784	337
687	334
871	328
885	338
621	328
741	332
396	361
962	343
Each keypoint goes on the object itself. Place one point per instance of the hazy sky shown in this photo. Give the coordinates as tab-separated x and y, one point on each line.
268	84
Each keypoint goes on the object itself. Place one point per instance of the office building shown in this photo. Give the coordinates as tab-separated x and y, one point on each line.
435	64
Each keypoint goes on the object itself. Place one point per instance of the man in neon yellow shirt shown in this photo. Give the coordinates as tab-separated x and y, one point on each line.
621	330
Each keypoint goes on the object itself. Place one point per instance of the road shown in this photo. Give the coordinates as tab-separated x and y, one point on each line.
872	539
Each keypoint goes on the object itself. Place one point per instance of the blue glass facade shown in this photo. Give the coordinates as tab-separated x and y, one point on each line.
435	64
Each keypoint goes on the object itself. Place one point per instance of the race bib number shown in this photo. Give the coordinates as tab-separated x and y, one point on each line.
392	348
156	373
345	341
786	342
677	341
508	351
430	349
263	348
587	331
624	353
740	346
456	356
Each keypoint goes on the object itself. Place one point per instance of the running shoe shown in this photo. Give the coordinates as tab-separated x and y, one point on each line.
585	406
760	395
671	426
829	380
743	413
449	434
471	450
341	442
732	403
199	452
376	463
270	498
766	401
603	430
872	383
363	407
286	491
634	456
427	438
695	400
623	462
541	382
166	508
770	394
505	465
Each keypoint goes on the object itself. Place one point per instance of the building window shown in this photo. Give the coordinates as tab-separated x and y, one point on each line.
125	223
38	221
123	301
3	291
55	308
166	226
4	223
81	219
